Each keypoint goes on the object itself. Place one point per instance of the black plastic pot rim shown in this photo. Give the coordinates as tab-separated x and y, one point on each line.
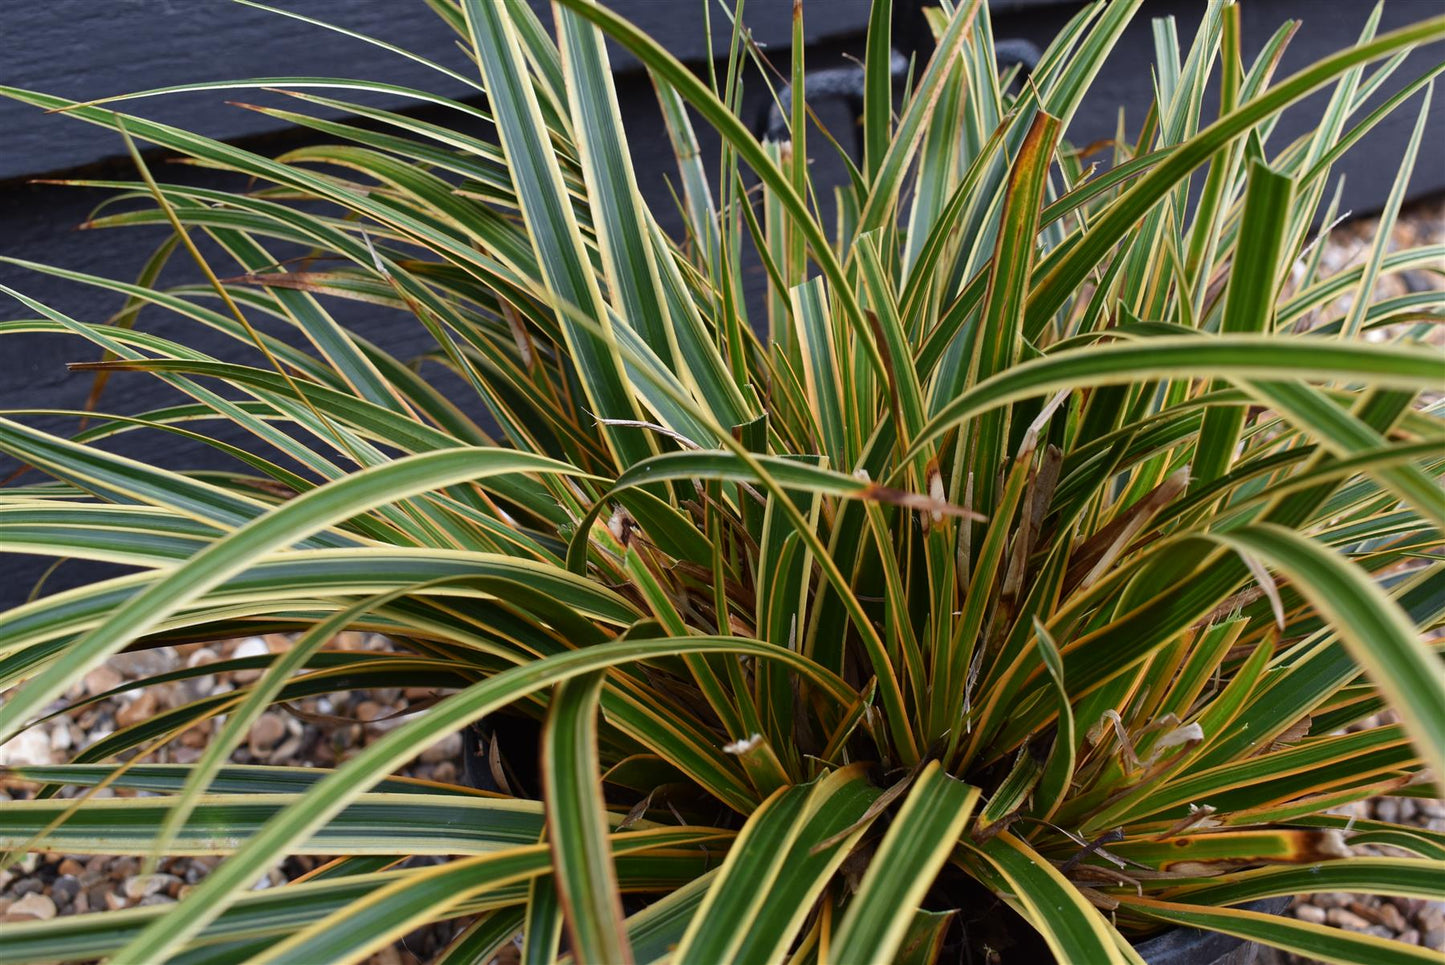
1192	946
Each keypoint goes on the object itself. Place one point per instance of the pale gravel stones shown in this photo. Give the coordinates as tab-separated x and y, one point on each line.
320	732
31	907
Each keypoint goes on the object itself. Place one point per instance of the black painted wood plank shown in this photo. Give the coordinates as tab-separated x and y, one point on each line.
89	48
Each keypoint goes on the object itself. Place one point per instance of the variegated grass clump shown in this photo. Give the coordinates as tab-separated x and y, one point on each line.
1042	528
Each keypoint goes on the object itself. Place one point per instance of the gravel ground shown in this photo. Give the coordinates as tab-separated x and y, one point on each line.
1407	919
1412	920
1422	223
319	733
326	730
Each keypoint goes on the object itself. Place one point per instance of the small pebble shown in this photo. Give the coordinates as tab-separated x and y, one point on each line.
135	888
1391	918
144	663
1344	918
387	956
1367	910
251	647
143	886
102	679
196	688
201	657
27	747
1310	913
64	890
268	729
449	748
32	906
277	642
27	886
141	709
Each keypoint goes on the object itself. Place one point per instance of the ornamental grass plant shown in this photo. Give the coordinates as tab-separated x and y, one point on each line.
1029	545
